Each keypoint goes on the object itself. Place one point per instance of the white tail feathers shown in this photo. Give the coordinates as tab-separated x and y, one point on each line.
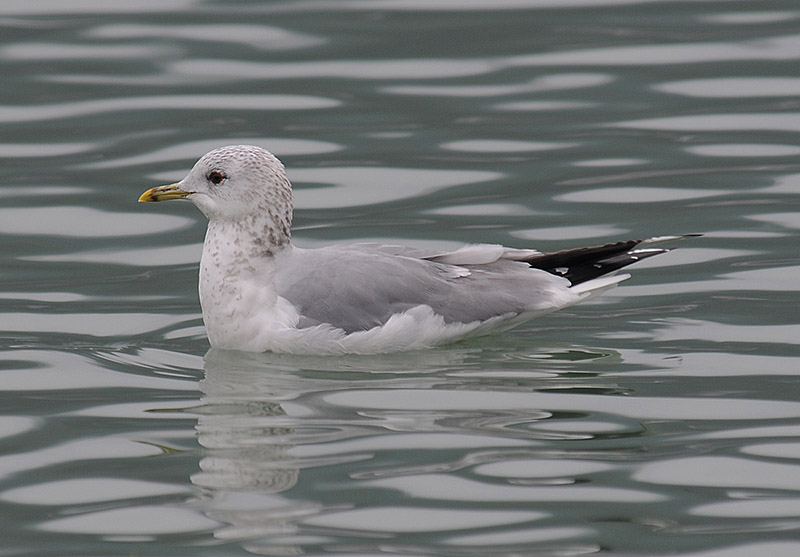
598	285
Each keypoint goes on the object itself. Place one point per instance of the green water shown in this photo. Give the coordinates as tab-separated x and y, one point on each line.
660	419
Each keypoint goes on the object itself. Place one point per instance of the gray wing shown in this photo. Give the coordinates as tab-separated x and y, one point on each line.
356	288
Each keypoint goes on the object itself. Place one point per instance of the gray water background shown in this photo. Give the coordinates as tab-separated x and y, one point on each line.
661	419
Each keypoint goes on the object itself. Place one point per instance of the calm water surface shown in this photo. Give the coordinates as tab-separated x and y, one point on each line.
661	419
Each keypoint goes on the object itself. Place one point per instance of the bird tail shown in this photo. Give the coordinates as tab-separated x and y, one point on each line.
582	265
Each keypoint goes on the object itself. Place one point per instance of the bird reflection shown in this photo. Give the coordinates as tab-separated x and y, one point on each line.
246	465
257	409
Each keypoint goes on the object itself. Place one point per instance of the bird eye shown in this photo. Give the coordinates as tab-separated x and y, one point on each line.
216	177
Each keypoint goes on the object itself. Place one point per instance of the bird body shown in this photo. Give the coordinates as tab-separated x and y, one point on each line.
259	292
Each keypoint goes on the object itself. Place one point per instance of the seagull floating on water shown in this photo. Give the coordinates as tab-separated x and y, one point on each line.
260	293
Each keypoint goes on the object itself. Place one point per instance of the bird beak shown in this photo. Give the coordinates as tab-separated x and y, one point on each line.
164	193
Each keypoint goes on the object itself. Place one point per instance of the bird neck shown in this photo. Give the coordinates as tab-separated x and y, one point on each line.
238	272
234	248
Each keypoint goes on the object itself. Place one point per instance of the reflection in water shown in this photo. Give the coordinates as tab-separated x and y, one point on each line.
263	422
304	452
267	425
257	409
246	464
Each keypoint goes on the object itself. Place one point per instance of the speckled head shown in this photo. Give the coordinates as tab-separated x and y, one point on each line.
239	186
239	181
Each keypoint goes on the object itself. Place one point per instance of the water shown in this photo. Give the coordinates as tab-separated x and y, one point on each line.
661	419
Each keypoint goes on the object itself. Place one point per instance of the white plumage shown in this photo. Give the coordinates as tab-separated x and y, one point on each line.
258	292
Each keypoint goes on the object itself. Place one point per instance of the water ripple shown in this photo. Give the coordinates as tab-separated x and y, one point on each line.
643	408
419	519
523	536
776	450
88	490
144	520
719	471
733	87
75	450
355	186
261	37
83	222
554	82
58	111
142	257
23	7
442	487
461	5
751	17
675	328
426	68
767	121
11	426
776	48
36	150
568	232
30	52
637	195
541	468
767	507
543	106
744	150
503	146
188	151
31	370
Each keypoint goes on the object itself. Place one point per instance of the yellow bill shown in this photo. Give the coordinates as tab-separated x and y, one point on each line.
164	193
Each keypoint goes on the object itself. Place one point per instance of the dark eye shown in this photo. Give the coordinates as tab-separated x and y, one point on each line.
216	177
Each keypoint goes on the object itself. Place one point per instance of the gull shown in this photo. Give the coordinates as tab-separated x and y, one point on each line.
259	292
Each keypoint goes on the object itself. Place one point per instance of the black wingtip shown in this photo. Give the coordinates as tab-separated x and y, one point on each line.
584	264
